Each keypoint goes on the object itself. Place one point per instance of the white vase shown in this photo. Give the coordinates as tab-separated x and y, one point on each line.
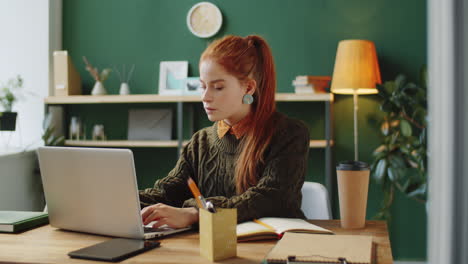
124	89
98	89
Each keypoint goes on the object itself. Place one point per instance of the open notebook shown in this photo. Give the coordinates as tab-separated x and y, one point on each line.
312	248
274	227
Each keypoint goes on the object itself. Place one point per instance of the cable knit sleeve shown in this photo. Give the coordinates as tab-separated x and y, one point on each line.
172	189
278	191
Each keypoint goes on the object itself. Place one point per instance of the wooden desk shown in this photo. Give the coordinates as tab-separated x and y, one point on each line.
50	245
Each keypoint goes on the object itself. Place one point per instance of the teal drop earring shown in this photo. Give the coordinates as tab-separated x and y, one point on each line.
247	99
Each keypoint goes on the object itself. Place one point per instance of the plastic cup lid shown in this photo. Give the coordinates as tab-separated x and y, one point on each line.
352	165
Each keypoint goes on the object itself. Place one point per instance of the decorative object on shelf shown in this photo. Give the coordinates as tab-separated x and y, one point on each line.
356	72
75	130
67	80
172	77
98	132
98	88
192	86
306	84
401	161
204	19
9	93
49	135
125	78
149	124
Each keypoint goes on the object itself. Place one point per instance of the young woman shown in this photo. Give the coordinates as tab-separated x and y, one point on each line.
252	158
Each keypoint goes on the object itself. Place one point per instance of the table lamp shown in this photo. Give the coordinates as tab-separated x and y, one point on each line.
356	72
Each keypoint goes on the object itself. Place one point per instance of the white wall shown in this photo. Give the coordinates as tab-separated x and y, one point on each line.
29	31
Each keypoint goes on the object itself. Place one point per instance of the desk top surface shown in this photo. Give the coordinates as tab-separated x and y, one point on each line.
50	245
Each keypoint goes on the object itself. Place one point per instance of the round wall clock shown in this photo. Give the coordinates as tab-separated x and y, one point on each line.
204	19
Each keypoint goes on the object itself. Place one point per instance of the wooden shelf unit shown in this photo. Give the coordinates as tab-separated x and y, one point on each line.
326	98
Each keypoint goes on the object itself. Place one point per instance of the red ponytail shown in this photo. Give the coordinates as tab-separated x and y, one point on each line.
245	58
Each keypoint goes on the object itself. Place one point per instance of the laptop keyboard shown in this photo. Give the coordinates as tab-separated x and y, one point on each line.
159	229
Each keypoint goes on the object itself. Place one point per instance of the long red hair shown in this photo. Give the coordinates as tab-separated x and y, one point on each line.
250	58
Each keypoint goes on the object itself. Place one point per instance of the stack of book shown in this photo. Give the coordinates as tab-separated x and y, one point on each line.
18	221
311	84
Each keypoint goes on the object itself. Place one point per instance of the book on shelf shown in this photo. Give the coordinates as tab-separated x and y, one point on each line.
17	221
308	89
311	78
311	248
275	227
318	83
300	83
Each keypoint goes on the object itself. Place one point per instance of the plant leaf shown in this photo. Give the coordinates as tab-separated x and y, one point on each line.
420	192
422	137
380	149
419	114
393	174
411	173
405	128
385	128
397	162
423	77
400	81
389	87
410	89
379	173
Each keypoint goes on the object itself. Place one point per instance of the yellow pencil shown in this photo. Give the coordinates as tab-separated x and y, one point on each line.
196	193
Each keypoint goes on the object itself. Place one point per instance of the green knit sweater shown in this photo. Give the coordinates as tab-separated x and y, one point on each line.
210	161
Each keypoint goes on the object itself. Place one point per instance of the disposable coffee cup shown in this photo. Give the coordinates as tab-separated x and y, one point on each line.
353	185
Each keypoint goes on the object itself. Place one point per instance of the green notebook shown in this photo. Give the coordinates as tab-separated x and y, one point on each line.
17	221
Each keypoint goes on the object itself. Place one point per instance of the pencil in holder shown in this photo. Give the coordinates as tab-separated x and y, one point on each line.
218	238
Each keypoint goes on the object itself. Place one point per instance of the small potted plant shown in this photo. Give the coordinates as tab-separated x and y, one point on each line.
50	137
7	98
98	88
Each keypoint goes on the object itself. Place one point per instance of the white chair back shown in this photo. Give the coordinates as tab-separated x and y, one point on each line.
315	201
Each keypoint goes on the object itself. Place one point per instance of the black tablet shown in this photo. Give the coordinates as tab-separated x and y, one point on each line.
114	250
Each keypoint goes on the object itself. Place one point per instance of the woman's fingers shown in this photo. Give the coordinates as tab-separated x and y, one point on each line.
145	212
151	213
160	222
172	216
154	216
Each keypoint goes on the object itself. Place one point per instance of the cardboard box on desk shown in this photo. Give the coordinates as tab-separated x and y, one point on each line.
218	238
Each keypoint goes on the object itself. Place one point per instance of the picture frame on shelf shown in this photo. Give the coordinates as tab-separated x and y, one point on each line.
149	124
172	77
192	86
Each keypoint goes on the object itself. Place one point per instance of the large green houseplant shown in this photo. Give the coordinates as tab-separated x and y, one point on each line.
401	161
8	96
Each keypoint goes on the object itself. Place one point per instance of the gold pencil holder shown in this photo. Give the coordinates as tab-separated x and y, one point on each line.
218	238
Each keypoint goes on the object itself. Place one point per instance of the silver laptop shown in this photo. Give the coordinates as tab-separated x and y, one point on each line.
94	190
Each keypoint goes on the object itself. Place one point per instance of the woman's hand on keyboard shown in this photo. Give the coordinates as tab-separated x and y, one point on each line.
172	216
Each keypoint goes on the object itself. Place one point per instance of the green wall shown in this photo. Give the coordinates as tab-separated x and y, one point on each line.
303	35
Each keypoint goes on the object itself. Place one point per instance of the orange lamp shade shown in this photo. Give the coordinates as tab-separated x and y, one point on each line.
356	68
